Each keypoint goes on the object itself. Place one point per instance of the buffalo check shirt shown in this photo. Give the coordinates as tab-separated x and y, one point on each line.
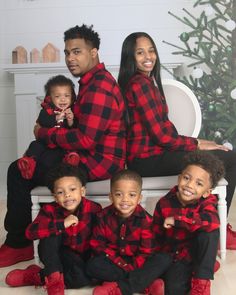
127	242
177	241
50	222
100	136
150	131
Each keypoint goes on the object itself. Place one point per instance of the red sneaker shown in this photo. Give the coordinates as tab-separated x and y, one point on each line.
216	266
26	165
157	287
10	256
72	158
200	287
54	284
231	238
24	277
107	288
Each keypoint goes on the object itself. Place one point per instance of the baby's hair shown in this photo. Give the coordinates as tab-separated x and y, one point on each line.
83	32
64	170
60	80
127	174
207	161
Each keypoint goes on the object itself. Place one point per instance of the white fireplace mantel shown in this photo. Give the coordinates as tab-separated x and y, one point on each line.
29	81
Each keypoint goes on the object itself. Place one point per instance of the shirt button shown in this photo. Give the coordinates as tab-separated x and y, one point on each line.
177	252
107	255
122	250
122	238
119	263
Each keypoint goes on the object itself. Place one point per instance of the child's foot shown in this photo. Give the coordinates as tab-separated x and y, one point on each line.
107	288
24	277
26	165
72	158
200	287
54	284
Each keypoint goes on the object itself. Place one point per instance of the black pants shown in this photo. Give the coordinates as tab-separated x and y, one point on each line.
19	200
178	276
102	269
57	257
170	163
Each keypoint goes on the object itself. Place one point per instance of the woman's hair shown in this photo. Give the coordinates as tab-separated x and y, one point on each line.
83	32
60	80
207	161
128	63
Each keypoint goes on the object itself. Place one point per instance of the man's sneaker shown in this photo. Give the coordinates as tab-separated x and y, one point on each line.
26	165
72	158
10	256
107	288
230	238
54	284
24	277
216	266
157	287
200	287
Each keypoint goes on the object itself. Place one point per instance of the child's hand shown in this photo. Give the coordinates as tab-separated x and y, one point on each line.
71	220
69	116
169	222
60	117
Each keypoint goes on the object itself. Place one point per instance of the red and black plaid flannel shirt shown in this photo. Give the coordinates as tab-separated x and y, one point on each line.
100	137
126	242
151	132
50	221
178	240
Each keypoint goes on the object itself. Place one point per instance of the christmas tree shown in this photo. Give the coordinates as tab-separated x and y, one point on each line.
210	46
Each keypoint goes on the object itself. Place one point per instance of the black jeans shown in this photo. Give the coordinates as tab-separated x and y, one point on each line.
170	163
57	257
178	276
18	215
102	269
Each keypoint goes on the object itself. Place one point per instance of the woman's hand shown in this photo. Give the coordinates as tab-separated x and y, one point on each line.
204	144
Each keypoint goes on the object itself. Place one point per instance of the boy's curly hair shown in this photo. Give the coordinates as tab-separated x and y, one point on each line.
83	32
207	161
60	80
64	170
127	174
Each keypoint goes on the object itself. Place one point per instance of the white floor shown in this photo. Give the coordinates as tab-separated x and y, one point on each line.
223	284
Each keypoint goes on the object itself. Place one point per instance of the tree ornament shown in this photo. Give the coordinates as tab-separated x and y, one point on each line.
219	91
211	107
230	25
209	11
228	145
233	93
184	37
218	134
197	73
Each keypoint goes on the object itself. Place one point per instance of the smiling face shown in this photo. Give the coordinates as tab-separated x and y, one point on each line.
80	57
68	192
193	183
145	55
61	96
125	196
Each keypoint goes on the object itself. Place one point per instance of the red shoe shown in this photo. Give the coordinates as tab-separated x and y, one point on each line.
26	165
72	158
24	277
157	288
216	266
200	287
230	238
107	288
10	256
54	284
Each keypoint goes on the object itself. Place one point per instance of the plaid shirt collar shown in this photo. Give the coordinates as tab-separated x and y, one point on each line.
89	75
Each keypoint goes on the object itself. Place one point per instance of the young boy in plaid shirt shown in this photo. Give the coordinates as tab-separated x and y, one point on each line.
186	225
122	242
64	229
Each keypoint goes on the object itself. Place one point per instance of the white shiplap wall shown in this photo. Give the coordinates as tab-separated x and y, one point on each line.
34	23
